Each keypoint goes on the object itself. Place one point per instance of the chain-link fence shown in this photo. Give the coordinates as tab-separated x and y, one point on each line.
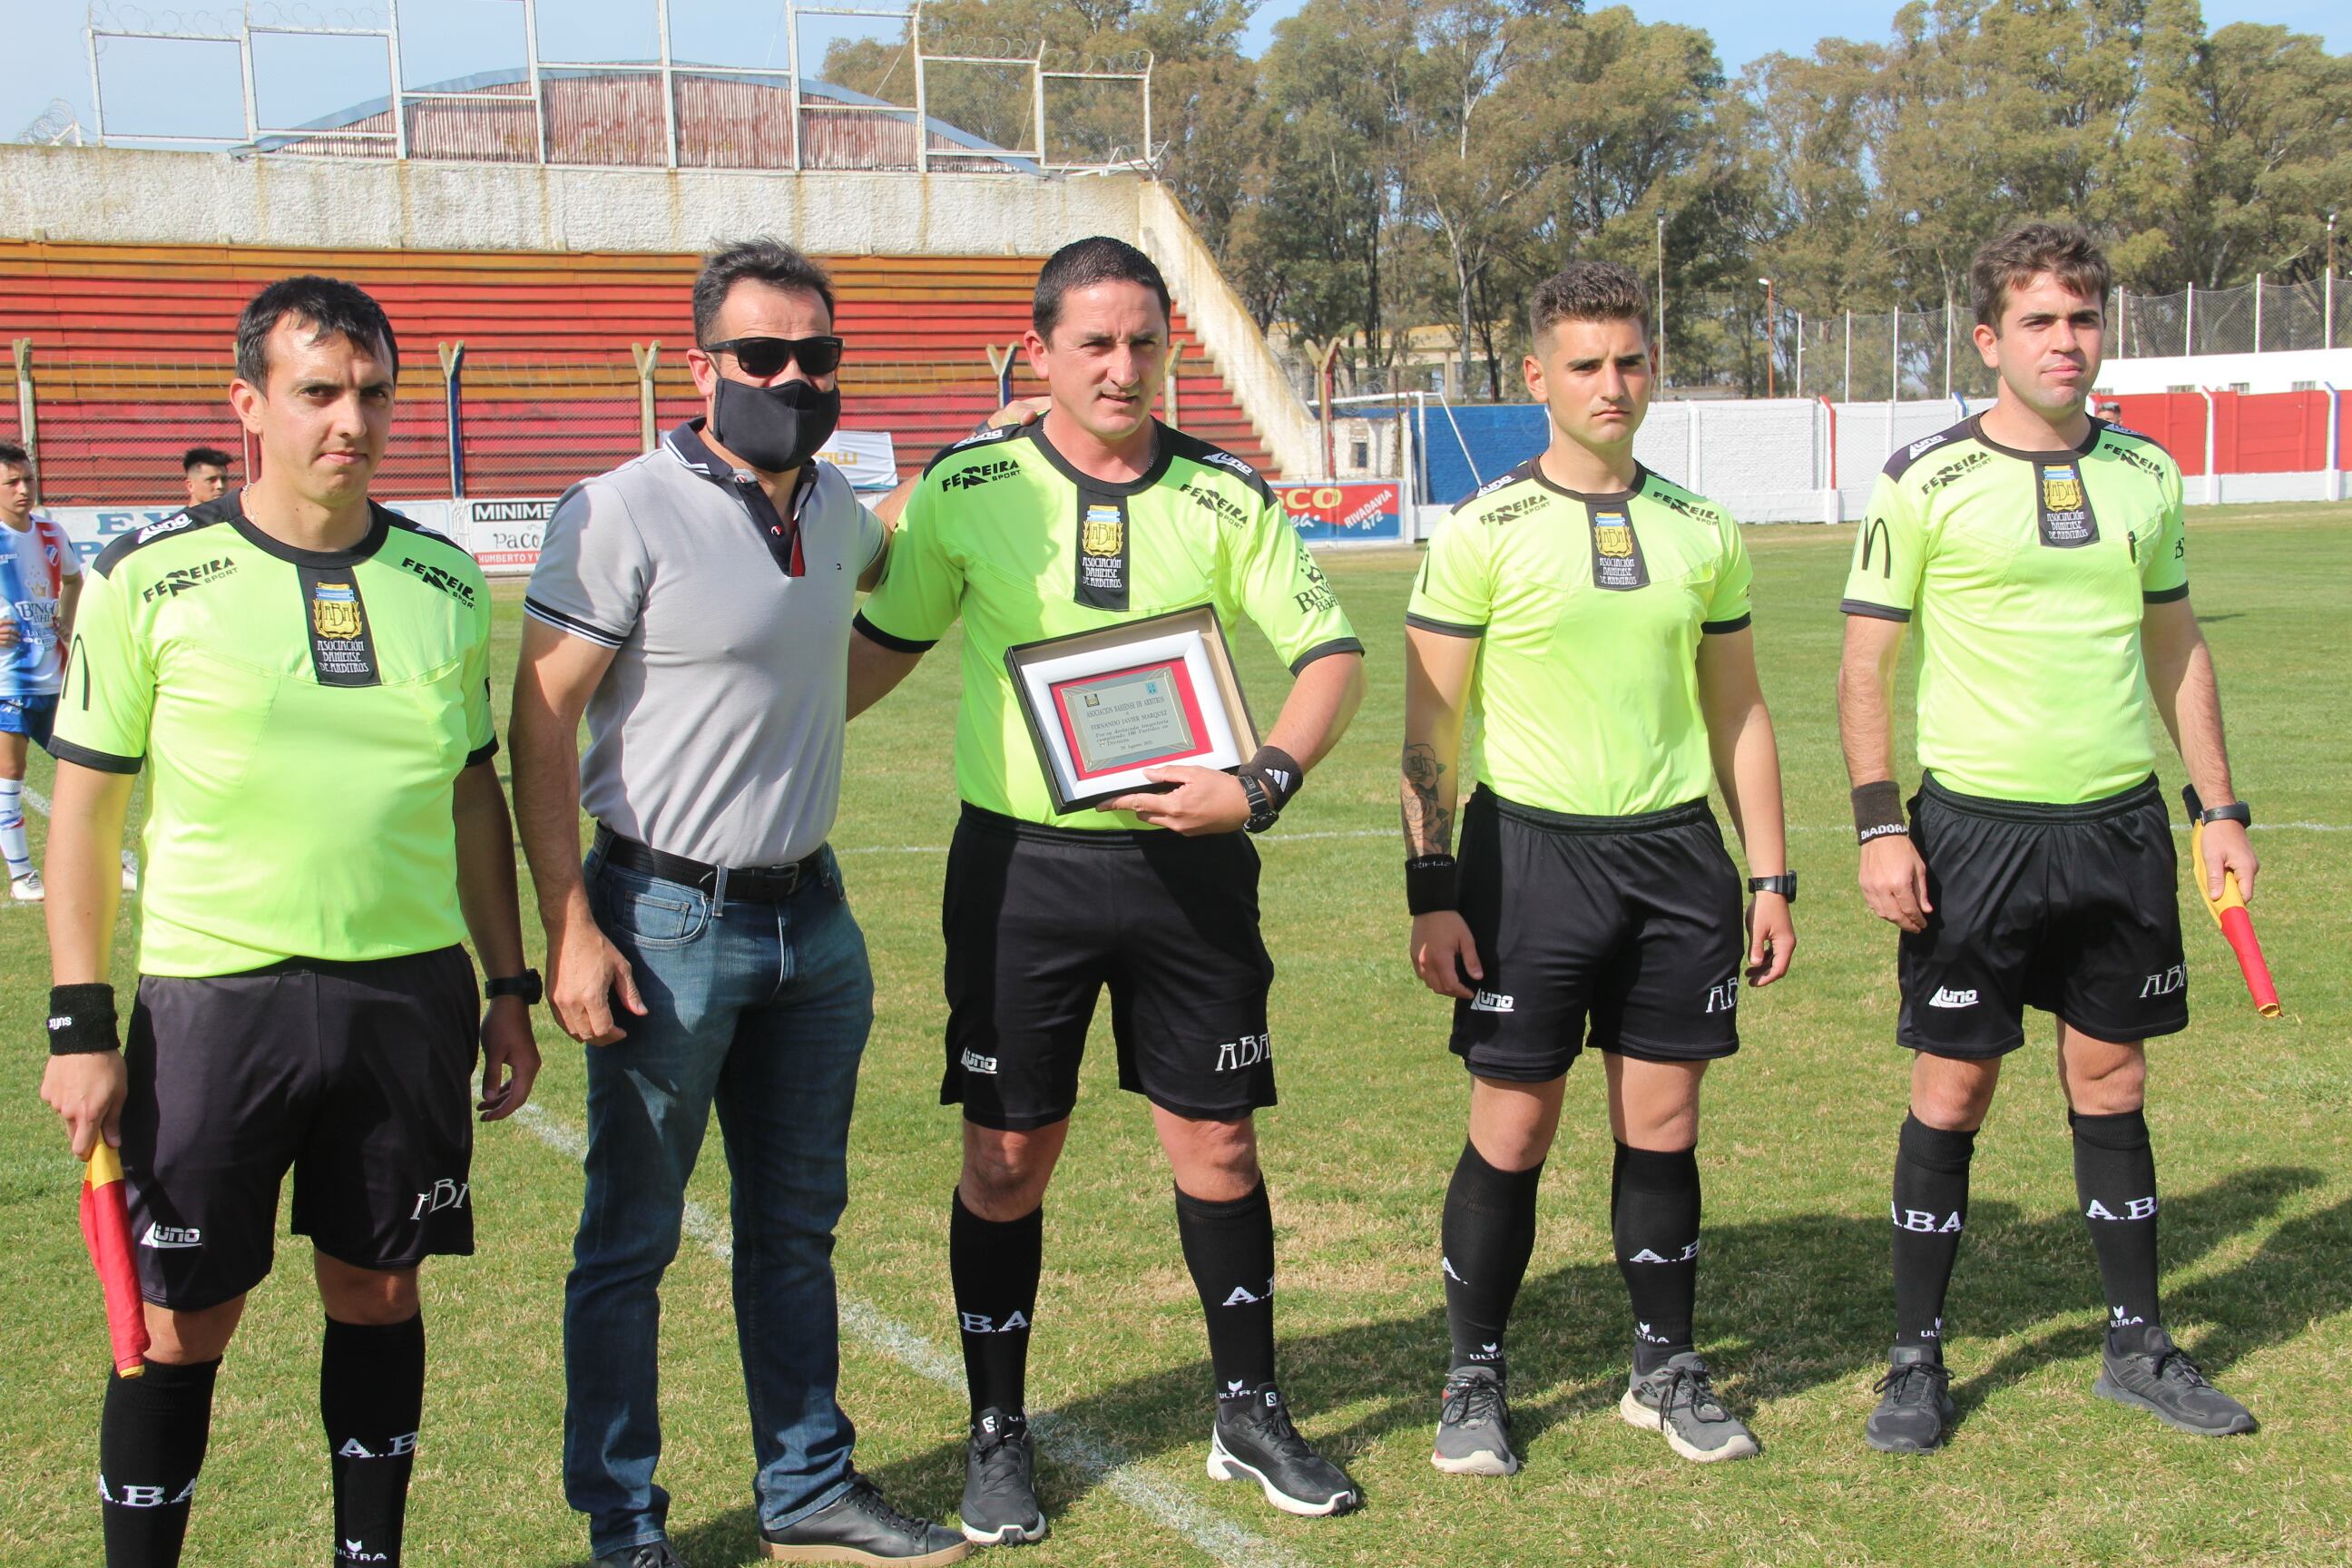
2262	316
1749	347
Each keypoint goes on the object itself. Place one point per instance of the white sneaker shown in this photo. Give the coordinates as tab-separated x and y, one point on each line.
27	889
129	871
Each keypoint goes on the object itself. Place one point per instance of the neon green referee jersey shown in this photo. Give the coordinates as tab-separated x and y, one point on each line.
1589	608
1003	533
302	716
2028	575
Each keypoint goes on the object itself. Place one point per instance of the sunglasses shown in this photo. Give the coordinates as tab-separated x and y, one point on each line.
763	357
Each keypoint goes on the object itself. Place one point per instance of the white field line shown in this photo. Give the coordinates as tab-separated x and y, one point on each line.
1099	1459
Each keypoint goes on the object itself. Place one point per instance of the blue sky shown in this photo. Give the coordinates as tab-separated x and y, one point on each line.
193	89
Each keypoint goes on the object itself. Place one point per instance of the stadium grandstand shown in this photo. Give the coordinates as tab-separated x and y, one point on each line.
533	233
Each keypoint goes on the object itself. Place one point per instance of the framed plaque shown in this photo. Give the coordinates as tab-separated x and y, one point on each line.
1103	706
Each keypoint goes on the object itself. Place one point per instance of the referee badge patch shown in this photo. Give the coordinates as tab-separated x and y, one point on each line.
1102	555
1617	561
2066	520
342	651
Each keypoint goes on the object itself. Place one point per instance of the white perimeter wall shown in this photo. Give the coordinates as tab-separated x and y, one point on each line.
2286	371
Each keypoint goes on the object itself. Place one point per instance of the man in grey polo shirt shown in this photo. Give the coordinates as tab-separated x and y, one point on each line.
696	603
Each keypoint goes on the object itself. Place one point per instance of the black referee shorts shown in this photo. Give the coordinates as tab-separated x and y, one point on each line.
1039	920
2069	908
1629	923
356	1075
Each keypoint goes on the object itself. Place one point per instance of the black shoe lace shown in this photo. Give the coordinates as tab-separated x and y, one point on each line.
868	1499
1913	1383
2174	1366
1693	1386
1470	1400
1273	1426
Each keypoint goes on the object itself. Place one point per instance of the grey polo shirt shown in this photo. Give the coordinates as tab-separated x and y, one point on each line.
716	733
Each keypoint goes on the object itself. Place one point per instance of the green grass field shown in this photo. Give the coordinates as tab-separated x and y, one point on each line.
2252	1130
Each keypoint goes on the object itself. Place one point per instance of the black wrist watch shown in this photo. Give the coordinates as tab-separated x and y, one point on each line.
1785	884
1262	811
525	985
2237	811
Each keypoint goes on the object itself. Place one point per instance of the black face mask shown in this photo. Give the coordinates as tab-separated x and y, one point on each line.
775	428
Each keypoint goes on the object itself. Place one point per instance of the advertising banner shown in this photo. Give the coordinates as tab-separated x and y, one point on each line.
1344	514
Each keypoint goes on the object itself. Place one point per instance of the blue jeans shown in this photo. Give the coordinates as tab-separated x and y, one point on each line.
762	1008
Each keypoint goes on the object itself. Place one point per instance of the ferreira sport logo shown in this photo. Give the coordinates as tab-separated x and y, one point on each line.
335	610
179	579
980	474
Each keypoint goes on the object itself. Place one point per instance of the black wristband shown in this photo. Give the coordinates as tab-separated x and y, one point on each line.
81	1019
1879	811
1278	771
1429	884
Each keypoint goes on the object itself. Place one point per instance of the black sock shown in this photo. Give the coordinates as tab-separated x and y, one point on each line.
372	1399
1654	1210
1931	1205
1489	1232
1229	1248
994	1266
2115	1175
150	1444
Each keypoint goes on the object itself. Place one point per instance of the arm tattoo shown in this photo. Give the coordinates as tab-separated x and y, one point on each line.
1428	824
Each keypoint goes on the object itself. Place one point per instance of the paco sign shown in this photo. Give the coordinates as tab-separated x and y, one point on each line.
1343	513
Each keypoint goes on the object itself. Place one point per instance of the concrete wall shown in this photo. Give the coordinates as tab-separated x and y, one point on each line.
2282	371
125	196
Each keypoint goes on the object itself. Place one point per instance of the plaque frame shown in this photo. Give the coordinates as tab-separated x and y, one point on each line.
1192	639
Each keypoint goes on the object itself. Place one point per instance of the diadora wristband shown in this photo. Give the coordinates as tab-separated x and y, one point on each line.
1429	884
81	1019
1879	811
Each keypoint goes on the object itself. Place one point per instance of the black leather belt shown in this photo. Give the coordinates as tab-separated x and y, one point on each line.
753	884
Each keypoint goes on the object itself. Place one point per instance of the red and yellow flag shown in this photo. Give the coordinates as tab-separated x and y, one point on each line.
106	1229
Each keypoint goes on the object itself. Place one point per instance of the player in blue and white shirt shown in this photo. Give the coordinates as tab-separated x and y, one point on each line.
40	579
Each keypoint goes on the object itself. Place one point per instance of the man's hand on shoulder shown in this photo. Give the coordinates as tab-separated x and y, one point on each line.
86	1089
510	1058
1203	801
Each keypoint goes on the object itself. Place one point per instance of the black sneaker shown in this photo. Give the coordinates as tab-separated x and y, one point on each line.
1000	1488
2163	1381
1253	1437
1912	1407
651	1555
1679	1400
858	1526
1474	1424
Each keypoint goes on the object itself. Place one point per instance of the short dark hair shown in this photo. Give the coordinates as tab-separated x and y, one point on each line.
331	305
13	455
203	457
770	261
2064	250
1589	291
1082	264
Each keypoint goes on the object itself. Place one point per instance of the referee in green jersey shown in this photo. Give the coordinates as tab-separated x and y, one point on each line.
1094	515
304	678
2042	555
1595	617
